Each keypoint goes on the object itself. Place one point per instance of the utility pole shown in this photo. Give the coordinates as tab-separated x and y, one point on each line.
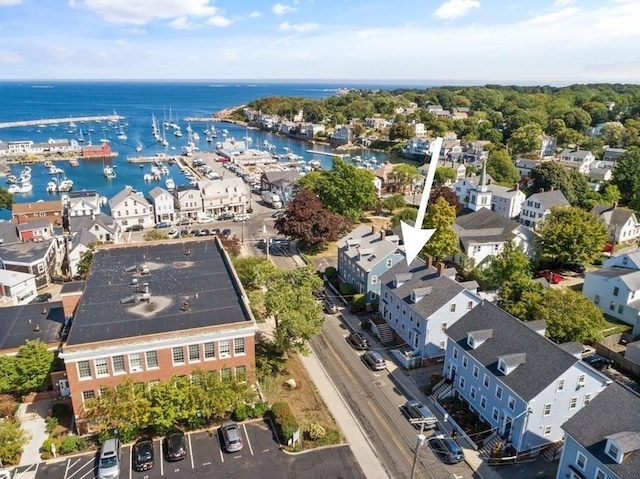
421	441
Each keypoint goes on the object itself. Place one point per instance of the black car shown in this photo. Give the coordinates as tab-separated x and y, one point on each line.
598	362
575	267
358	341
136	227
41	298
225	216
226	232
142	455
174	446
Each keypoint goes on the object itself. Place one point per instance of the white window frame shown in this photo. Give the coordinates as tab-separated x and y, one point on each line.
511	403
135	362
476	372
487	381
579	457
455	353
225	352
151	354
239	351
472	393
499	388
600	474
573	403
560	385
546	410
465	362
115	370
193	348
101	363
209	351
547	430
175	351
84	363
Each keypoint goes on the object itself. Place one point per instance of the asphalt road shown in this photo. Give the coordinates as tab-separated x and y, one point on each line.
375	401
260	457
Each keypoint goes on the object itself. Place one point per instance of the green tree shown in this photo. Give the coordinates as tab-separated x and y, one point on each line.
394	202
626	176
444	174
511	264
84	265
12	441
404	175
9	378
33	365
308	222
344	189
298	316
569	316
6	199
501	168
571	235
405	214
526	139
550	175
253	272
444	241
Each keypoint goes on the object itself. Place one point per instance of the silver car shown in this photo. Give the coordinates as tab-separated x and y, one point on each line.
231	436
109	464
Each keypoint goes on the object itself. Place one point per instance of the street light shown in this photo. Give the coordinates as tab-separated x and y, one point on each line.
421	441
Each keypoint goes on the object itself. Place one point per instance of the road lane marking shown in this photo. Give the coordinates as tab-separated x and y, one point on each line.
247	436
219	446
206	463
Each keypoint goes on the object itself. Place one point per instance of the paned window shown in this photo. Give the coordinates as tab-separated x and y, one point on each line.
238	346
101	367
135	362
152	359
194	352
178	355
88	395
118	364
225	348
84	369
209	350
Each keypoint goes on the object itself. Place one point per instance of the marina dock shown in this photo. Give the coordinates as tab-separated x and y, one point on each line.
328	153
53	121
151	159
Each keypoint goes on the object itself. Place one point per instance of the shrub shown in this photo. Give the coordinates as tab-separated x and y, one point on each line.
284	419
259	409
331	437
60	409
51	424
72	444
366	325
241	413
7	405
358	303
316	432
330	272
346	289
46	446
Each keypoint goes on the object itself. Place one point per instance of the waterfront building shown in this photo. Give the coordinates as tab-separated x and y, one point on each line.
282	183
28	147
342	135
140	319
38	210
83	203
163	204
223	196
129	207
188	201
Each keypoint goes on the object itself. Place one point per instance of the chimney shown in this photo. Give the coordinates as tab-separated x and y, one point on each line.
488	181
517	187
441	268
383	233
552	188
185	306
615	205
429	261
373	229
541	190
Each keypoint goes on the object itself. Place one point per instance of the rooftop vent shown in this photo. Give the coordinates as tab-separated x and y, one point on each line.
145	270
134	281
128	300
146	297
131	269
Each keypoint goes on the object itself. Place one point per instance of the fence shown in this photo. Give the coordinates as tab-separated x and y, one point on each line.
607	348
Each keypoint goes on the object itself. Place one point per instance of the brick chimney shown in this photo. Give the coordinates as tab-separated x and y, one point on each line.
441	269
541	190
429	261
383	233
517	186
615	205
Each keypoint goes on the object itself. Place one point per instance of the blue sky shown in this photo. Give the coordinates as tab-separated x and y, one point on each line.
455	41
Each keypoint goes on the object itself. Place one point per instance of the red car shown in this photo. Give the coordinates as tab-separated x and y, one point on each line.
550	276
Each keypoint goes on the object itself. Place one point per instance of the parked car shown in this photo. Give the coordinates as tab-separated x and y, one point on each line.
278	214
226	232
173	233
142	453
374	360
215	231
575	267
415	410
232	436
446	448
109	462
185	222
358	341
41	298
136	227
174	446
551	276
225	216
598	362
204	232
242	217
205	219
163	224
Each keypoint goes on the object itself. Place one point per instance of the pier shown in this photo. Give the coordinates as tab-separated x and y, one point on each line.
151	159
205	119
53	121
328	153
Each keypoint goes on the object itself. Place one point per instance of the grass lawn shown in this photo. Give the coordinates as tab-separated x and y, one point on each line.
615	327
305	402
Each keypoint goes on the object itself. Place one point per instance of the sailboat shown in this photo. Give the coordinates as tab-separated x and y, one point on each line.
121	134
80	136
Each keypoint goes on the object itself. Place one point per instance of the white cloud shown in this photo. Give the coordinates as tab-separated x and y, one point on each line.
297	27
282	9
455	8
555	17
122	42
255	14
135	31
182	23
141	12
218	21
563	3
9	3
10	57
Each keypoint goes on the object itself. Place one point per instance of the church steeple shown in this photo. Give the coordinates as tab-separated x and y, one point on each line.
480	196
482	183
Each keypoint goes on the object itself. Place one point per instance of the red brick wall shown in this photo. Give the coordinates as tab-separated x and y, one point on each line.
164	371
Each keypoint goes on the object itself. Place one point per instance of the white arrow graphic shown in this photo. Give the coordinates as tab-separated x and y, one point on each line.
414	236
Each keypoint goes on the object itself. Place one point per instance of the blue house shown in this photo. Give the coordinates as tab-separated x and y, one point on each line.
524	385
364	255
602	441
419	301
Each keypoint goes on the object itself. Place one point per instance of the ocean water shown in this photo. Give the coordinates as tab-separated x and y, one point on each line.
139	102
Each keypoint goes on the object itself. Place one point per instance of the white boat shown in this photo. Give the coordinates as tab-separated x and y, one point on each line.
26	169
25	188
121	134
148	177
103	200
54	170
73	162
109	172
24	178
80	136
13	189
65	185
52	187
195	136
177	133
164	170
165	142
170	184
48	164
12	180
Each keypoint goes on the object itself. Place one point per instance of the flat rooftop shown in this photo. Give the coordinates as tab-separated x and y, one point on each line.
29	322
114	307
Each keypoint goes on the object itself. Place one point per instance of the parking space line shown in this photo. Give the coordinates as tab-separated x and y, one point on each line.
67	469
28	469
219	446
247	436
191	449
88	463
161	461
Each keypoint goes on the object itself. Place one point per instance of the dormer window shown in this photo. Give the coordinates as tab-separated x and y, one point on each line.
502	366
476	338
624	260
471	342
509	362
613	451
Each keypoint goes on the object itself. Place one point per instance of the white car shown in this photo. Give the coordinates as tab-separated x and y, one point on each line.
205	219
172	233
243	217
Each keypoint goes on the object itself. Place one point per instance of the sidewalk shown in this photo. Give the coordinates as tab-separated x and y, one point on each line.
411	390
32	417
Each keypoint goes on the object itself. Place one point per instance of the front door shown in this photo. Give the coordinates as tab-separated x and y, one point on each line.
507	427
64	388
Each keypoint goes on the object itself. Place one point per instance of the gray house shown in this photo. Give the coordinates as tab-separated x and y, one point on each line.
602	441
364	255
521	383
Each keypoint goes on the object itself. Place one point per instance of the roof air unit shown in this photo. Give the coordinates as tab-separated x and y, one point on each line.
128	300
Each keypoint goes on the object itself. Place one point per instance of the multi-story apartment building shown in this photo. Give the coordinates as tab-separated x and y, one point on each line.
538	206
154	310
188	201
129	207
222	196
163	204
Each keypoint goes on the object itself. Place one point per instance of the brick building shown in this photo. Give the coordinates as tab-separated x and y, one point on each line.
151	311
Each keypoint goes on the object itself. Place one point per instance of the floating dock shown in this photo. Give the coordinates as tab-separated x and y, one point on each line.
328	153
151	159
52	121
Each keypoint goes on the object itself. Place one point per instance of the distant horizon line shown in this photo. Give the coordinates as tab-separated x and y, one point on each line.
352	81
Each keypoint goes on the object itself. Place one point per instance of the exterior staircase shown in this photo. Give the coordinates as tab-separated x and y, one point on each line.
385	334
488	445
553	451
441	389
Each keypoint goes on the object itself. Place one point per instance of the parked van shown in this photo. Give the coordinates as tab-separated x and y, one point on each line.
109	463
446	448
374	360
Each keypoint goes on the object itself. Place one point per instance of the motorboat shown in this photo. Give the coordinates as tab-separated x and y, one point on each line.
73	162
52	187
169	183
12	180
109	172
48	164
54	170
65	185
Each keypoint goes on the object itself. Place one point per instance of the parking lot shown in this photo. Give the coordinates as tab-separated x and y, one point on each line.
206	457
